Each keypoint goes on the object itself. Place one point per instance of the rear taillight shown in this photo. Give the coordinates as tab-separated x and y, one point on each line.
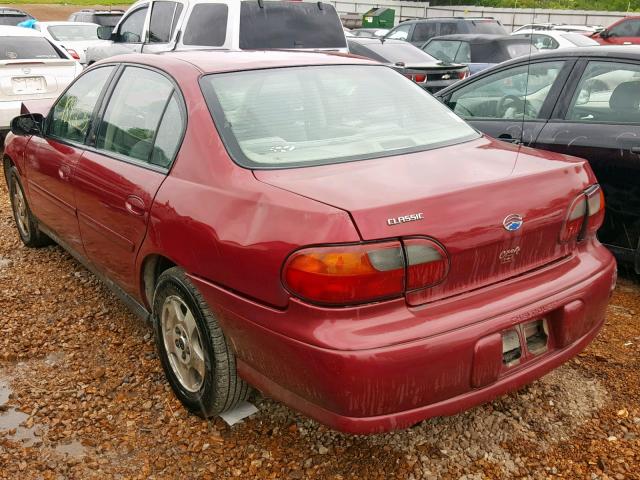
362	273
419	78
73	54
586	215
462	74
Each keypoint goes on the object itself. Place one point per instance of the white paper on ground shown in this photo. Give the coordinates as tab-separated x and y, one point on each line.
242	411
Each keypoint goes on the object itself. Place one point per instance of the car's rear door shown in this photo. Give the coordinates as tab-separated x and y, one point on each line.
598	118
511	103
141	126
52	158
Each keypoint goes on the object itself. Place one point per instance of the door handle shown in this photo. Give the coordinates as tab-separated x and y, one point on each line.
64	172
135	206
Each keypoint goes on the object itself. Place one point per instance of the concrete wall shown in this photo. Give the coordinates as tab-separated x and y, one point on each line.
510	17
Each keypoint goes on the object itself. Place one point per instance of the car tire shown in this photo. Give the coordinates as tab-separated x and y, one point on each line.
200	366
26	223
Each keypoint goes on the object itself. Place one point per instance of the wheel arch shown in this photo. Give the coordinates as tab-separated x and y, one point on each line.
152	267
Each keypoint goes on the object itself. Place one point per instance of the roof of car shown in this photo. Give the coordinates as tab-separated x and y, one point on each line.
216	61
447	19
478	37
376	40
10	31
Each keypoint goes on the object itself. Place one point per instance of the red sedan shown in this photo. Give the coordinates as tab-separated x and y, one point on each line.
316	226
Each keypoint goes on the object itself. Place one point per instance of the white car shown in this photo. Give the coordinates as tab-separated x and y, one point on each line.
553	39
76	37
584	29
31	68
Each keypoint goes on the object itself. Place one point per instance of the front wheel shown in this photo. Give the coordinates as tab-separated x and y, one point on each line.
195	355
26	223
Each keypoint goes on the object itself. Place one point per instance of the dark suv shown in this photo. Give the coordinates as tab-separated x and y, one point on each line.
13	16
106	18
419	31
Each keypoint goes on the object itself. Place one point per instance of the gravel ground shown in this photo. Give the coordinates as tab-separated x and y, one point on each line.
82	395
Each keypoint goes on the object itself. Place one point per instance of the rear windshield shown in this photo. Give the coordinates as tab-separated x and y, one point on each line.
579	39
289	25
13	18
299	116
400	52
487	26
73	33
520	49
107	19
16	48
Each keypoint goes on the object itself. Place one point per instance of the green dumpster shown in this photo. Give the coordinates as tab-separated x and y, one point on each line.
379	18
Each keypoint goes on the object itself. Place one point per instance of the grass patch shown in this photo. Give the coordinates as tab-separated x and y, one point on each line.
610	5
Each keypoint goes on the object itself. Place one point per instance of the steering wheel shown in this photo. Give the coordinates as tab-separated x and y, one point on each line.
507	102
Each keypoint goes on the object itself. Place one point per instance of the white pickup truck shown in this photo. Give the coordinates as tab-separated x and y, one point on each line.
155	26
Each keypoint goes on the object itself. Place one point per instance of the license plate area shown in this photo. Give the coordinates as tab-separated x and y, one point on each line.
524	342
28	85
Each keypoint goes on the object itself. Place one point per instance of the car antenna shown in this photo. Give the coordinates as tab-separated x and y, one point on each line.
261	3
320	6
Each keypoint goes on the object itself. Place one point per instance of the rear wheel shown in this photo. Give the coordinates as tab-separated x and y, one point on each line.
26	223
195	355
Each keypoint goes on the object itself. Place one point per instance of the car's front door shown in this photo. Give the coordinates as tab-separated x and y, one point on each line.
598	119
128	157
52	158
131	31
513	103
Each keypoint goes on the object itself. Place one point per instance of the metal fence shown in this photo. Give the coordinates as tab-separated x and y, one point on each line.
511	18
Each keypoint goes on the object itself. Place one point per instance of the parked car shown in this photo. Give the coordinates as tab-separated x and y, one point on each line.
31	67
370	32
265	235
582	102
13	16
552	39
105	18
421	30
428	72
162	26
584	29
478	52
623	32
76	37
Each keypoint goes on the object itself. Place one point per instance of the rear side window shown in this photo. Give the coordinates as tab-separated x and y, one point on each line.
424	31
164	17
134	114
207	25
169	134
71	116
289	25
18	48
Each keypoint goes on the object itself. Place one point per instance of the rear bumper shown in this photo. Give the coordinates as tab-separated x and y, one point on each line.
8	111
382	377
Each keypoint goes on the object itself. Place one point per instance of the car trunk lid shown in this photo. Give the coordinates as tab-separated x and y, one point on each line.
464	194
32	79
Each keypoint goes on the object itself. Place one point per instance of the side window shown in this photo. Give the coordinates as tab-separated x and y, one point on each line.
134	113
207	25
444	50
130	30
544	42
515	93
169	134
448	28
400	33
464	53
423	31
608	92
628	28
71	116
164	18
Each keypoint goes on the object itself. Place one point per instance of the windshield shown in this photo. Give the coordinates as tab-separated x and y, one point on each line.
107	19
579	39
73	33
16	48
290	25
521	49
13	18
400	52
326	114
488	26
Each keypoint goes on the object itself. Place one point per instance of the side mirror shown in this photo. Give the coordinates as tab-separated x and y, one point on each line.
105	33
605	33
28	124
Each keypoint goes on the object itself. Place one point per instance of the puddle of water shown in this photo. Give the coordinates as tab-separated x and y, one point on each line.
72	449
13	418
5	391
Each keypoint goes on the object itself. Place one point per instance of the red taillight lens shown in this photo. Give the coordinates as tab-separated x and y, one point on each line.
347	274
354	274
575	219
427	263
73	54
462	74
419	78
595	208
